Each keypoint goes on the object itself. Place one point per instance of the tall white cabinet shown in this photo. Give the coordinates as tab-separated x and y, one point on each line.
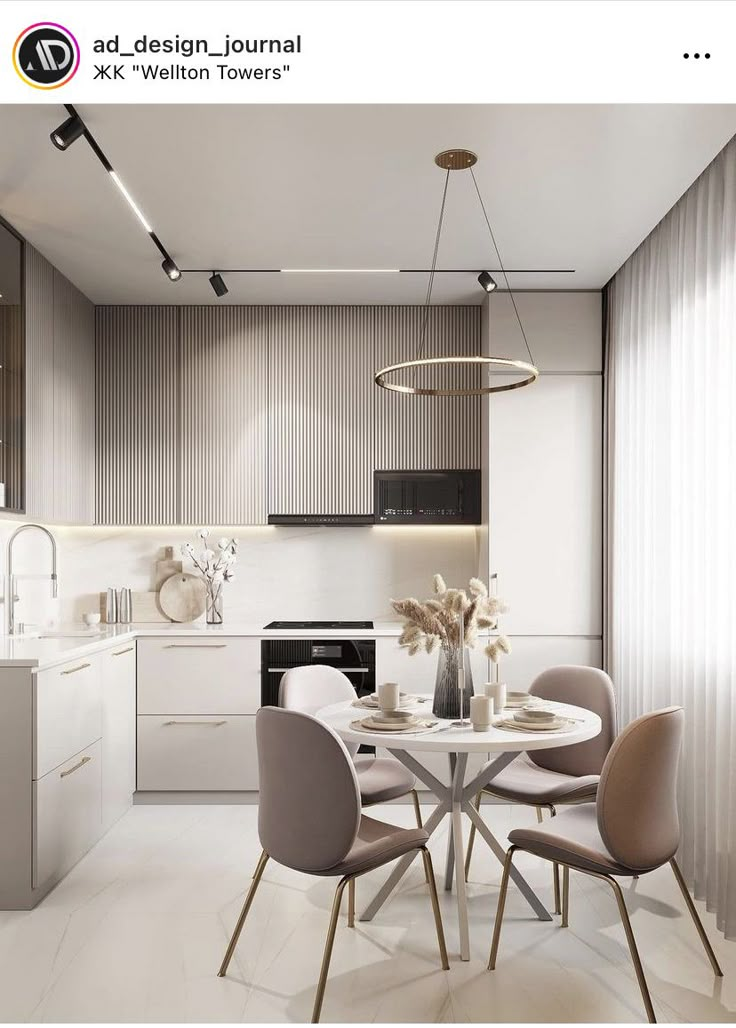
544	483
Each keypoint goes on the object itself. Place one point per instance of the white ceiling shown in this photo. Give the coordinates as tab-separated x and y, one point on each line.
348	186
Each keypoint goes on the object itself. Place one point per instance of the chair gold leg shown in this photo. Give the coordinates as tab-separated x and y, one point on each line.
263	860
500	908
429	872
539	815
417	808
351	903
555	872
565	896
556	887
696	919
329	943
471	837
418	815
632	948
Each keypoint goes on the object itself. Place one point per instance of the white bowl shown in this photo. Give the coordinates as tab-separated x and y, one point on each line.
536	714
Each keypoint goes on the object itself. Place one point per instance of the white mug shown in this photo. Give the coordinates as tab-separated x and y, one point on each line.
497	692
481	712
388	696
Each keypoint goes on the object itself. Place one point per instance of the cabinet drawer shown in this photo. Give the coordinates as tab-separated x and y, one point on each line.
68	711
67	814
192	753
198	676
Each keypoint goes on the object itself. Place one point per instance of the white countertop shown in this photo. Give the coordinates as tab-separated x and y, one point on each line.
37	653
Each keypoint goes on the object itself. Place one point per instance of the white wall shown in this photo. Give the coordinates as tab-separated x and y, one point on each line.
288	573
545	481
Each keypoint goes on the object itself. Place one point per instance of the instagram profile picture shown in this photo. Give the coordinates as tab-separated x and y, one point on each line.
46	55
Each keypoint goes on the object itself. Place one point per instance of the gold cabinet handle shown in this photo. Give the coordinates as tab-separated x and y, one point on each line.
72	670
213	724
82	762
196	646
128	649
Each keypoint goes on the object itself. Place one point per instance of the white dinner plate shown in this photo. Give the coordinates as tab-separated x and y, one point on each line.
422	728
558	725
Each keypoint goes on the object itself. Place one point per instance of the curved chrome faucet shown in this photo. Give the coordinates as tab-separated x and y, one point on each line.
11	578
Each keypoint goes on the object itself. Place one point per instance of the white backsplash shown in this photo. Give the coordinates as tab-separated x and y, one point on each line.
282	572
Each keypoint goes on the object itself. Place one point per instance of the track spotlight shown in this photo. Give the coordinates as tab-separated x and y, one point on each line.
171	269
487	281
66	133
218	284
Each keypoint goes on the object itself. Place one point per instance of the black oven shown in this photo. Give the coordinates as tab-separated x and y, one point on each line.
356	658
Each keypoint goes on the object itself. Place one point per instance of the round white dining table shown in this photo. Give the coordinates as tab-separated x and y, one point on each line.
501	746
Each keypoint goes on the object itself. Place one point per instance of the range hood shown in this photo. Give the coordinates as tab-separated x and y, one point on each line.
321	519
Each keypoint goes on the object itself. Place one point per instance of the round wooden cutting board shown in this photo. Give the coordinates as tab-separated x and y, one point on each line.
183	597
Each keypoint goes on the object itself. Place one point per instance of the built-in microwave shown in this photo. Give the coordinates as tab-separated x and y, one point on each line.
427	498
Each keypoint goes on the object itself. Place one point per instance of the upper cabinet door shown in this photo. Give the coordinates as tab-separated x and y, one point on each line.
224	422
137	415
60	396
321	410
74	404
420	433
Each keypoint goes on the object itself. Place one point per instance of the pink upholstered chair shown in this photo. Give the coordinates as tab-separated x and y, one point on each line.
632	828
547	779
309	819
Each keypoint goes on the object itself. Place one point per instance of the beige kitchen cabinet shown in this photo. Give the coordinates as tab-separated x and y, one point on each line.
190	675
67	814
118	731
197	753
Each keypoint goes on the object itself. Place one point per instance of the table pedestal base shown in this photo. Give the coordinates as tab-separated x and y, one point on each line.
455	800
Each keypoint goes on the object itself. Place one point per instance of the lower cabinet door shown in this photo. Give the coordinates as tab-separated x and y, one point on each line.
118	732
188	753
67	814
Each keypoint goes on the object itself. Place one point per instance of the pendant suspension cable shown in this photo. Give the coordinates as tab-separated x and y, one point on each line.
430	282
500	264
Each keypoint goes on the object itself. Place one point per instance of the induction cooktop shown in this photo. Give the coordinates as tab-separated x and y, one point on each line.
319	625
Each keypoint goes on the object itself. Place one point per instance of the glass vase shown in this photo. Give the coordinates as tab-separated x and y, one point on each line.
446	693
214	602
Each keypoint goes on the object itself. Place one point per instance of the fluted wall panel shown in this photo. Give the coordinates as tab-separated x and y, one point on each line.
74	404
425	432
224	415
321	402
39	375
137	415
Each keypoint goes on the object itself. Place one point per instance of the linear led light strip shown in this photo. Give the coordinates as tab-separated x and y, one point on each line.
71	130
74	127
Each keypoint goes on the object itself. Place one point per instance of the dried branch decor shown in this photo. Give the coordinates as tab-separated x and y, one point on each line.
436	621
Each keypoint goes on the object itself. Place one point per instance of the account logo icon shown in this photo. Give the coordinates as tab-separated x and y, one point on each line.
46	55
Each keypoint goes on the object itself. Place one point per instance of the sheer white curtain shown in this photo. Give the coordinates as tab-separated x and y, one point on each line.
671	514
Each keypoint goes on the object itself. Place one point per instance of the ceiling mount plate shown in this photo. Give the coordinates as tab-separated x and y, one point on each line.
456	160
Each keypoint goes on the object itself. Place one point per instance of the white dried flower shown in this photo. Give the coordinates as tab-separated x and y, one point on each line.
477	588
492	652
208	554
431	643
503	644
224	543
203	533
438	583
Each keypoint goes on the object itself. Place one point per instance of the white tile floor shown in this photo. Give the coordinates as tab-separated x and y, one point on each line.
136	933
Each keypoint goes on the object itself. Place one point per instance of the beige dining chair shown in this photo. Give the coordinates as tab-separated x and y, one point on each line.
380	778
547	779
632	828
310	820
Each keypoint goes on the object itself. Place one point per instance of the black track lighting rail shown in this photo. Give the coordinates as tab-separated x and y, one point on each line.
387	271
103	159
75	127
